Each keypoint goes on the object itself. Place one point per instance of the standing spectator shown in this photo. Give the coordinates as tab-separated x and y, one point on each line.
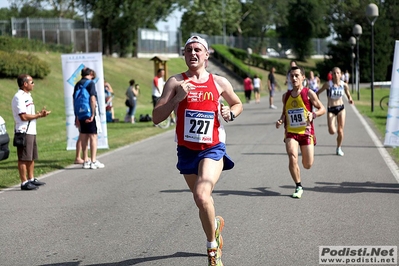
329	76
346	77
136	91
288	77
88	127
25	118
298	119
336	113
248	88
201	153
109	95
257	86
314	82
271	85
157	89
131	102
157	86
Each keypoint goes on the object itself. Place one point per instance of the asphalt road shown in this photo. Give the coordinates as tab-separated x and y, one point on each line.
138	210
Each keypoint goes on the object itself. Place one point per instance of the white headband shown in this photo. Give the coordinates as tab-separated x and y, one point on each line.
197	39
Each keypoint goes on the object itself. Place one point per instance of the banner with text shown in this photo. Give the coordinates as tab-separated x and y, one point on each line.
392	126
72	64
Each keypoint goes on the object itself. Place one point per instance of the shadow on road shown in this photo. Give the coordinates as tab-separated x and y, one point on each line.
133	261
258	192
353	187
344	187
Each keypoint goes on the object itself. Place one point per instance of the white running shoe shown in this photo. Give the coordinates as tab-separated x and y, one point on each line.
273	107
340	152
86	165
298	193
96	165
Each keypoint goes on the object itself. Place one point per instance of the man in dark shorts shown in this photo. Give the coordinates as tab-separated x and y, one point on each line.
25	118
88	127
271	84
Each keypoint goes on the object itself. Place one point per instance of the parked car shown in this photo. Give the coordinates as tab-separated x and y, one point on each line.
272	53
289	53
4	140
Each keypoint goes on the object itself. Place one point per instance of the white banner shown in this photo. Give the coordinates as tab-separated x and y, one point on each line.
72	64
392	126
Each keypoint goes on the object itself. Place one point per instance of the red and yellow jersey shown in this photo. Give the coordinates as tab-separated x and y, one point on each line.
296	113
197	125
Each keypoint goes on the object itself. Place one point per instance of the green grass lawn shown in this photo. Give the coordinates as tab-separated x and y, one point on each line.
378	116
49	92
364	106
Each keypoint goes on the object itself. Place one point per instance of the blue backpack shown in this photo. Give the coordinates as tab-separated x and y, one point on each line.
82	102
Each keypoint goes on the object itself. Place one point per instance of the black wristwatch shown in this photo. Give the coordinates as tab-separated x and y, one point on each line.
232	116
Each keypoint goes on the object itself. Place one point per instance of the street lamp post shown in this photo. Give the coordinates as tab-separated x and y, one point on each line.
224	22
372	15
357	31
352	42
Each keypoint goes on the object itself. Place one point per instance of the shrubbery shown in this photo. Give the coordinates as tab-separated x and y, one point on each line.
10	44
230	58
234	58
13	63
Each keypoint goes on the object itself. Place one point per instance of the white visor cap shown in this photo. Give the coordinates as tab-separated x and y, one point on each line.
197	39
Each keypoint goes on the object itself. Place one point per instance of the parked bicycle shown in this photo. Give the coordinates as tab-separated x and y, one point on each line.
384	102
166	123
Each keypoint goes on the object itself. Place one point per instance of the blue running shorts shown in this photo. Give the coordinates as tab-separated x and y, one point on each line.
188	160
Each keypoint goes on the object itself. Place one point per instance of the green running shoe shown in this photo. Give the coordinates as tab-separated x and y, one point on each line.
218	231
214	257
298	193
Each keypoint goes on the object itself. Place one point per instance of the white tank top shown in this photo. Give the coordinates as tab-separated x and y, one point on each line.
336	93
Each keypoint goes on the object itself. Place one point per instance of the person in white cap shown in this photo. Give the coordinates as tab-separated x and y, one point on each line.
201	151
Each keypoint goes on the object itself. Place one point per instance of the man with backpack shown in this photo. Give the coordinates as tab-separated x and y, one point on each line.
297	117
85	105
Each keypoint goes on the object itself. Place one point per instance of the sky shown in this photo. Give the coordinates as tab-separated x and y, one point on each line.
4	3
172	23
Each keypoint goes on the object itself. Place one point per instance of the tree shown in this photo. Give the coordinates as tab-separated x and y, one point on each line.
306	21
262	17
44	8
210	16
105	13
119	20
343	16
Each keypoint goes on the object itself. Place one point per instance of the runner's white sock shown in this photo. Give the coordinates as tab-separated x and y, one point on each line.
212	244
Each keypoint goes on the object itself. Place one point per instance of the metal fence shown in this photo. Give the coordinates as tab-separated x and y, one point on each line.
320	46
83	38
77	34
152	42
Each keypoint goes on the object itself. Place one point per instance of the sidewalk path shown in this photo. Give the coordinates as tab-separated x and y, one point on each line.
138	210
